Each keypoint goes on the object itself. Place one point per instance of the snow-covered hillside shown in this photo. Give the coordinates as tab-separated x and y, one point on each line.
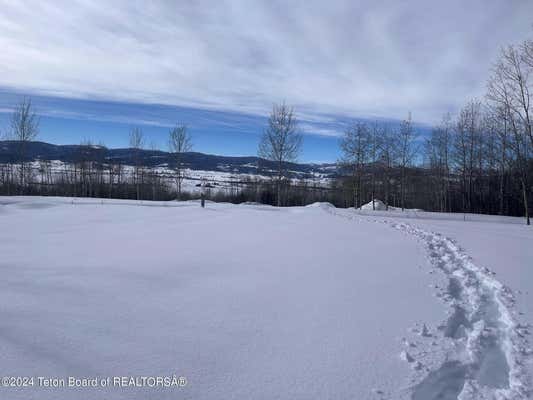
258	302
223	180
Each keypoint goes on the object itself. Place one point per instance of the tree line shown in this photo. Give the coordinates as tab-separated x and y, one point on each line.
479	161
91	174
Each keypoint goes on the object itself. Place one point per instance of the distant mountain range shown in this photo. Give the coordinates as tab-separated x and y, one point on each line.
35	151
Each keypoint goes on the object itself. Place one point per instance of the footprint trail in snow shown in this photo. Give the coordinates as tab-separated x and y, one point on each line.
484	348
487	361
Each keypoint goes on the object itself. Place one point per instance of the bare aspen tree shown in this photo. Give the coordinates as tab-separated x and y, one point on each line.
406	153
499	128
110	168
24	129
84	163
500	101
527	48
7	169
373	147
101	151
355	145
438	149
522	150
431	162
506	90
154	173
490	170
503	135
517	73
137	143
179	142
387	155
281	142
467	146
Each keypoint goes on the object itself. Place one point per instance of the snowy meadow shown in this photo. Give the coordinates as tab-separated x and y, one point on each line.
236	200
259	302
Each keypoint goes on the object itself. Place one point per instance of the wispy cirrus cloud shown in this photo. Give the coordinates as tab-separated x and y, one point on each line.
360	59
321	131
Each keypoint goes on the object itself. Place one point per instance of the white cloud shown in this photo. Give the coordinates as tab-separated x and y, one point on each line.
319	131
362	59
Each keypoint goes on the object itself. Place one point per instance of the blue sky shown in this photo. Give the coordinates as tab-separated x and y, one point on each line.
96	68
70	121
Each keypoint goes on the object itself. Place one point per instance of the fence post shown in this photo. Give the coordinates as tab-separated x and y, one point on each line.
202	193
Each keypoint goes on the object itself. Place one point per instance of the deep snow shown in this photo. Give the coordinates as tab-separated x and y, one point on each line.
257	302
489	297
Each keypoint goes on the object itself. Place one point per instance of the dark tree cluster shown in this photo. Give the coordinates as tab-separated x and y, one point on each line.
478	162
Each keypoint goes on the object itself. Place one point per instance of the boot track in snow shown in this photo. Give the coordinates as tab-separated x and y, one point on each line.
488	348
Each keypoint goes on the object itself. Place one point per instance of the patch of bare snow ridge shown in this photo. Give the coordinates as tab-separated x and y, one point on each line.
378	205
321	204
374	205
480	351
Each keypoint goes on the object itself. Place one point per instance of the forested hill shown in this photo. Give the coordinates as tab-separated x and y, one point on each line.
33	151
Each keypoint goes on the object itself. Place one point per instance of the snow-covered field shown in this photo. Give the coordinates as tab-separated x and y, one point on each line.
257	302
